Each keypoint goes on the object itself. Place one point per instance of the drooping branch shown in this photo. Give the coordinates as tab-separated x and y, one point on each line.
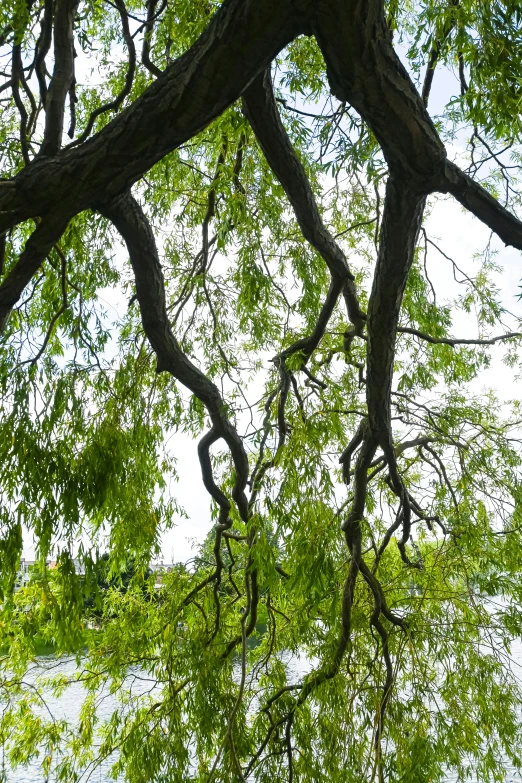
145	52
42	48
130	220
307	345
129	76
363	432
260	107
15	89
352	528
435	52
63	76
211	208
56	317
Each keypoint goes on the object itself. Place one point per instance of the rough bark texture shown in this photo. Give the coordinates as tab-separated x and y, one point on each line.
402	218
364	70
241	40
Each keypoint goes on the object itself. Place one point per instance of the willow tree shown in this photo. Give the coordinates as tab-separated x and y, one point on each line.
251	177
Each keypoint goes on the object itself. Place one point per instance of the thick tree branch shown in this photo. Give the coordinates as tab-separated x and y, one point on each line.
260	107
190	93
37	247
482	204
400	226
364	70
362	67
402	217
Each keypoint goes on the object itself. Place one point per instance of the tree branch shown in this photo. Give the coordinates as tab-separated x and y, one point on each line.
435	53
190	93
131	222
453	341
364	70
37	247
307	345
145	52
129	77
15	89
482	204
63	307
260	107
63	76
42	48
400	226
402	217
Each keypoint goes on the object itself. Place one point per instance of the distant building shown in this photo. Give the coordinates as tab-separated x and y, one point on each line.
24	571
159	569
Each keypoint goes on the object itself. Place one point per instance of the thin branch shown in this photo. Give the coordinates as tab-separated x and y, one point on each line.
15	89
436	51
129	77
56	316
149	26
42	49
453	341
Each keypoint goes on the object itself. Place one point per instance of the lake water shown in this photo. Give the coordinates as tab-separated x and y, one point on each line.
68	705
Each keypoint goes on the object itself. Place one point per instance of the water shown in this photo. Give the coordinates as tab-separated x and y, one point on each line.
68	705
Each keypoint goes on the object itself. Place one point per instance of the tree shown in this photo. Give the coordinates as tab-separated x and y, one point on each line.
267	167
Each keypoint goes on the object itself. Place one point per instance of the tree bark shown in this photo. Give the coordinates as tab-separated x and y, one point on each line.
241	40
402	219
63	76
364	70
